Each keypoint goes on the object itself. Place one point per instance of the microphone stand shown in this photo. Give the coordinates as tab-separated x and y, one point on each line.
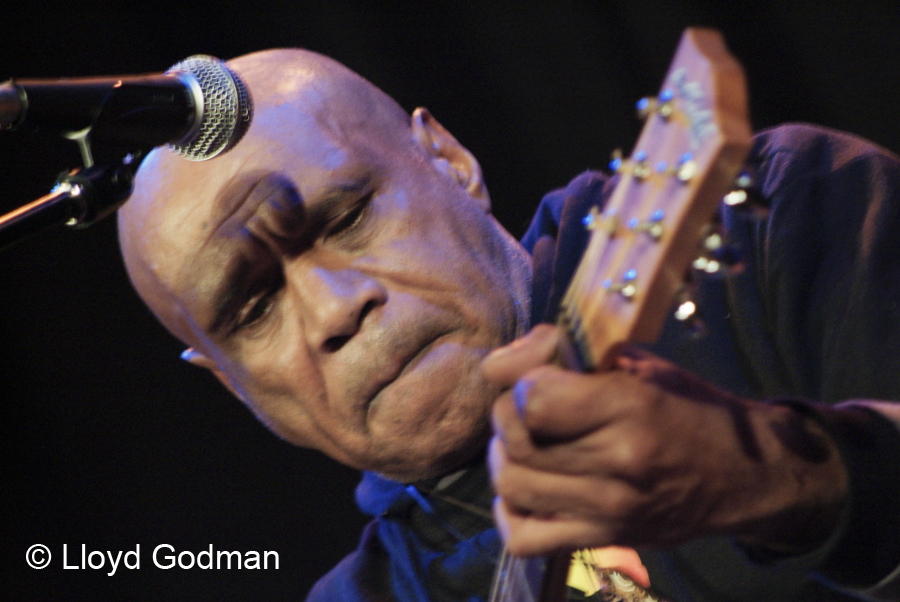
80	198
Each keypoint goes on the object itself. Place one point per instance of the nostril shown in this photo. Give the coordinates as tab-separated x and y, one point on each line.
347	326
369	306
335	343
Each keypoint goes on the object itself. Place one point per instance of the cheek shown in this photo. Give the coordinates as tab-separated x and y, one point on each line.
438	407
454	256
280	383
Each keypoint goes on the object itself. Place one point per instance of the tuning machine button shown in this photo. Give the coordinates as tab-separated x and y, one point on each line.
662	105
607	221
626	287
653	226
746	197
688	313
716	254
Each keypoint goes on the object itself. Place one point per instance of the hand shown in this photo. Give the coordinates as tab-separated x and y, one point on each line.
649	455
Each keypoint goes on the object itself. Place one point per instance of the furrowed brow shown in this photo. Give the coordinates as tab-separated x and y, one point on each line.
228	292
238	203
342	189
230	282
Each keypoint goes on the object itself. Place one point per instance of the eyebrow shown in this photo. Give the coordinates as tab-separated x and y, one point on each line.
237	199
229	287
342	189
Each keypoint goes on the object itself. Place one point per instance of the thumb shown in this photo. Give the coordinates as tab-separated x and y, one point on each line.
506	365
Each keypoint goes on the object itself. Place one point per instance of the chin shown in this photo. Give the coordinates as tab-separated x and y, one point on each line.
434	461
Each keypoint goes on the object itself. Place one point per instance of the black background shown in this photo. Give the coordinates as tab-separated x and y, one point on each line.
109	440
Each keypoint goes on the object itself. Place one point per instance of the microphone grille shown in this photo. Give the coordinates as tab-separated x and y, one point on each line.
227	108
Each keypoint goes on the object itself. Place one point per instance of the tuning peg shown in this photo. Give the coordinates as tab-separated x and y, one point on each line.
641	169
683	170
716	255
706	265
627	287
687	167
711	246
638	164
747	197
661	105
615	164
744	180
607	221
687	312
652	226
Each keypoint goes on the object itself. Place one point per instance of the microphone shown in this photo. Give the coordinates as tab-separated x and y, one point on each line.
199	107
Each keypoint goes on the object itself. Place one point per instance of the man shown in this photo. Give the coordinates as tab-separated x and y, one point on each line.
340	272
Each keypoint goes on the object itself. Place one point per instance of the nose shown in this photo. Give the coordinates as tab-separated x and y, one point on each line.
335	303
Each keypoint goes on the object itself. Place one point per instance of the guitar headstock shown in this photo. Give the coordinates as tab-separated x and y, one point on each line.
687	157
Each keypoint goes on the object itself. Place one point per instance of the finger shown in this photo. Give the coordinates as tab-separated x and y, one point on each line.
505	365
624	560
609	447
510	429
531	535
530	490
582	456
559	404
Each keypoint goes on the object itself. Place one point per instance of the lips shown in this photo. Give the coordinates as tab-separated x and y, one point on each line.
392	342
402	364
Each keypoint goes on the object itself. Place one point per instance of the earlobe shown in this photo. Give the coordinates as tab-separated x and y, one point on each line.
449	156
196	358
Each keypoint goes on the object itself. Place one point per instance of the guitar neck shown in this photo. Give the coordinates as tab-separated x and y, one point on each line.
689	153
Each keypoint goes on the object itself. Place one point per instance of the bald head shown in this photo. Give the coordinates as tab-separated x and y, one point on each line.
292	90
338	269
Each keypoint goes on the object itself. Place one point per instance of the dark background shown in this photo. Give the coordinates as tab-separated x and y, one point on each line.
109	440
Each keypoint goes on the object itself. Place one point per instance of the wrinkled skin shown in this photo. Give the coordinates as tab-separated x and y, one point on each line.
647	455
339	269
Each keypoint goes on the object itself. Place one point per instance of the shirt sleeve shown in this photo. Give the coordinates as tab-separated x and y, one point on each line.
817	315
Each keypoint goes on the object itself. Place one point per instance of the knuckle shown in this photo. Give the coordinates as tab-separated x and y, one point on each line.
513	494
633	456
507	463
541	387
520	454
618	506
505	484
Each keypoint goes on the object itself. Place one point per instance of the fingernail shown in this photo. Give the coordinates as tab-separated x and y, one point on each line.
189	354
520	395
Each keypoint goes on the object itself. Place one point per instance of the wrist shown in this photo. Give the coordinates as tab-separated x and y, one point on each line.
803	482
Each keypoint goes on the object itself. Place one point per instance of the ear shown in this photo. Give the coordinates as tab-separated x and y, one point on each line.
194	357
449	156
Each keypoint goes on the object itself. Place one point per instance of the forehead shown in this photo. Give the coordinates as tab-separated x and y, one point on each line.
311	149
178	205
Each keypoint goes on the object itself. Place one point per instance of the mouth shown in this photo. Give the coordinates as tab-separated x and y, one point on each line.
401	366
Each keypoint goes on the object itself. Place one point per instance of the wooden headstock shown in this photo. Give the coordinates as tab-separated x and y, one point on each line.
688	155
687	158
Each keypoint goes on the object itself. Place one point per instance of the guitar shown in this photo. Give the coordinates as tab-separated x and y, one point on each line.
643	241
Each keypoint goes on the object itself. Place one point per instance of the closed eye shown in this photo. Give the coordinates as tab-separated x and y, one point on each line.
352	220
258	308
